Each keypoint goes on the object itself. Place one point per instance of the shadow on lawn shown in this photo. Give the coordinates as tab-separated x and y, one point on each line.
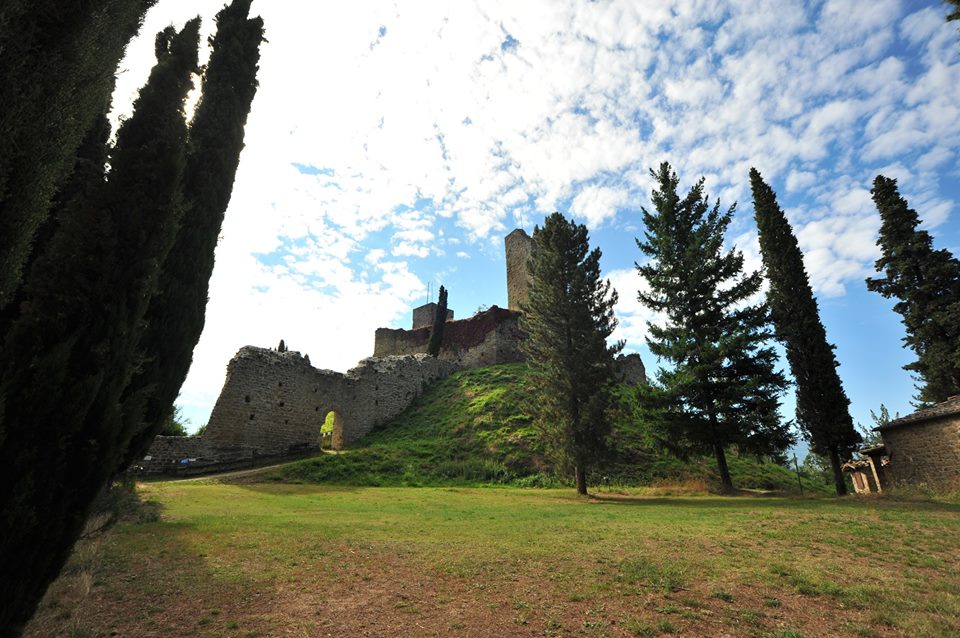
773	501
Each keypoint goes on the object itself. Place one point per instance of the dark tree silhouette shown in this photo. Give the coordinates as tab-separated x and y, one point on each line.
822	405
67	356
439	321
927	284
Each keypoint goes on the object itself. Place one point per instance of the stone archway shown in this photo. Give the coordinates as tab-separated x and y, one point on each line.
331	431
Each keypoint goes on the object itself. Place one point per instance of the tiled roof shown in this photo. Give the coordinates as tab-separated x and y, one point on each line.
944	408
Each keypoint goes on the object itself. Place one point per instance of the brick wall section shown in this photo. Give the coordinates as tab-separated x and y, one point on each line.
925	452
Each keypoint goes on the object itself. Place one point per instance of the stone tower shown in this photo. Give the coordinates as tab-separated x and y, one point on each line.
519	245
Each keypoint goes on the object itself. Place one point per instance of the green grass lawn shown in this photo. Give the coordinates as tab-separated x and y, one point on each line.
306	560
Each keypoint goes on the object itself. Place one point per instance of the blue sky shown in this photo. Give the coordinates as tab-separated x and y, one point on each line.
393	145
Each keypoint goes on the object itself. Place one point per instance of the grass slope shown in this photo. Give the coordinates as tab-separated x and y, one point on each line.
476	427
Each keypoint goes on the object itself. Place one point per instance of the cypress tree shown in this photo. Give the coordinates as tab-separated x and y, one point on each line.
822	404
927	284
66	358
57	66
723	388
439	321
568	319
176	315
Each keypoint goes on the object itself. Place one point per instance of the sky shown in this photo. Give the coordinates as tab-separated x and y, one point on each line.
392	146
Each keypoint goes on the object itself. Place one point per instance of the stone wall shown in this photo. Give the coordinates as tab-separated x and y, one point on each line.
171	452
423	315
273	404
487	338
518	246
925	452
631	370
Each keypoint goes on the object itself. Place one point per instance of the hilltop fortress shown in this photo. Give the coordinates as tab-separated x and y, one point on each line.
273	403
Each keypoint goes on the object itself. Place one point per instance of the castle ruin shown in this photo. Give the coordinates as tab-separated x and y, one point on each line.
273	403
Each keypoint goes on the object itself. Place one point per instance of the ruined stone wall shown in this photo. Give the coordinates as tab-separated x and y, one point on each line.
487	338
169	452
274	403
925	452
518	246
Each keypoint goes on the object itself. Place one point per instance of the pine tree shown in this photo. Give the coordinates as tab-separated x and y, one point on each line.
67	356
955	14
439	321
927	284
568	319
723	388
822	404
176	316
57	66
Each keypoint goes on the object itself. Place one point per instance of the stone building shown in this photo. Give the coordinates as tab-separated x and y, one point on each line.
518	246
924	447
273	403
869	473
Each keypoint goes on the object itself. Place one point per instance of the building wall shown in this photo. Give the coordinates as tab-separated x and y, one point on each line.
423	315
518	246
924	452
487	338
274	403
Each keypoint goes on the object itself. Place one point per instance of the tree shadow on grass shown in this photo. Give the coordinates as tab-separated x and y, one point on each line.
754	500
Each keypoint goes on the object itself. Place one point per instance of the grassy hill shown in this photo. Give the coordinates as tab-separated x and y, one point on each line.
476	427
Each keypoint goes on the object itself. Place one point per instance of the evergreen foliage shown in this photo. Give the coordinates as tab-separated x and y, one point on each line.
722	388
926	283
57	66
822	404
69	352
439	321
568	319
175	425
176	315
955	14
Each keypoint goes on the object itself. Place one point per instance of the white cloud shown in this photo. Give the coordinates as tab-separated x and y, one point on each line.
440	138
597	204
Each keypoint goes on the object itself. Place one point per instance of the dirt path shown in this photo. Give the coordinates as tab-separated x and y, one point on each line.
236	473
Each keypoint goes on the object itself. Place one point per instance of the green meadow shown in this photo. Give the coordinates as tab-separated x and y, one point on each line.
214	558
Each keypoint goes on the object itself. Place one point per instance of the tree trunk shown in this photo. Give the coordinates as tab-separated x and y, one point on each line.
838	480
722	466
581	478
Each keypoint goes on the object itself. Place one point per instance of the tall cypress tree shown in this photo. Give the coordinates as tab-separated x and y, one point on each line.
927	284
439	321
66	358
822	404
568	319
723	388
177	312
57	66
